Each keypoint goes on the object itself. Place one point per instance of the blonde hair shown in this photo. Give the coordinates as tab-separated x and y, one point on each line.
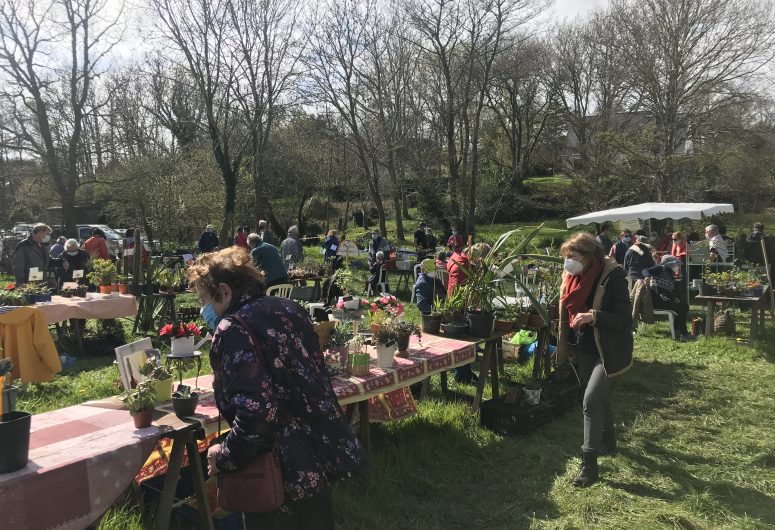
332	233
478	250
679	235
585	244
232	266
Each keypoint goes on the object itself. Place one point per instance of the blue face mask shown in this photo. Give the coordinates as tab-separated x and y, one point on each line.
209	315
626	239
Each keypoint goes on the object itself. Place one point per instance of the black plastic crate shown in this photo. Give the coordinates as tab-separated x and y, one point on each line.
513	419
562	396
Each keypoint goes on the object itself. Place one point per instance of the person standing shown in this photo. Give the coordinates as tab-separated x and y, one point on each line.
430	240
637	258
291	248
455	242
330	245
267	258
757	234
377	244
271	386
266	234
97	246
595	325
619	249
32	253
241	238
602	236
208	241
57	248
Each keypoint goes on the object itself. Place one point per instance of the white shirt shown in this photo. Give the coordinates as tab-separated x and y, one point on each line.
717	242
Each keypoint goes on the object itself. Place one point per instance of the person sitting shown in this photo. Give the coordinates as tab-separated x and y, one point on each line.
718	246
663	293
619	249
455	265
455	242
377	244
208	241
441	260
291	249
266	234
97	246
31	253
427	289
72	259
377	273
267	258
678	249
637	258
57	248
757	234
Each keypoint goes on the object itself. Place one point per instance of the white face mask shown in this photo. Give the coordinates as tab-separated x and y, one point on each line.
69	253
46	239
573	267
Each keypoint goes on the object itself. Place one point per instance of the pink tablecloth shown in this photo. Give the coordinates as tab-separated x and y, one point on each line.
83	457
100	307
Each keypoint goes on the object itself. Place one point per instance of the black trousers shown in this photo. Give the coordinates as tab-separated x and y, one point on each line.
681	310
312	514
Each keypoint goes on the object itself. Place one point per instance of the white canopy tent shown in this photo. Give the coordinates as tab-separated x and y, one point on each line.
653	210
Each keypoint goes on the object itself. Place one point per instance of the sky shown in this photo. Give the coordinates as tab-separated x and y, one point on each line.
570	9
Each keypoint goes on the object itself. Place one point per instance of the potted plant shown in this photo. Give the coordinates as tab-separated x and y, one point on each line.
532	391
451	315
359	359
14	425
160	377
67	293
339	341
123	284
385	342
431	322
184	402
382	308
181	338
141	400
403	330
36	293
507	316
346	281
103	273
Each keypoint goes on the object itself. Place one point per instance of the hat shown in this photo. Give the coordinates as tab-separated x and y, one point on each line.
210	228
643	239
669	259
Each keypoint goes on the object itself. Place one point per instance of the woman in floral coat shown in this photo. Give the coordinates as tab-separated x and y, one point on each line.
279	400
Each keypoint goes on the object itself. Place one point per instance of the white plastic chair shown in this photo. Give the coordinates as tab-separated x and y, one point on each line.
282	290
670	317
382	283
442	275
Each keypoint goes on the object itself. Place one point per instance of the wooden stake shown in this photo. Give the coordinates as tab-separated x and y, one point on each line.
769	278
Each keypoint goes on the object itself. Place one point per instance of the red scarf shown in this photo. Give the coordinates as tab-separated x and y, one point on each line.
578	289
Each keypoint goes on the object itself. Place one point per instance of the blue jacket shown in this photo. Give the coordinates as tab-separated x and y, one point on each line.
267	258
423	292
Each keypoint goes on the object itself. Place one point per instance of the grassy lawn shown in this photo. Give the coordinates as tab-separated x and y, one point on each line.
696	451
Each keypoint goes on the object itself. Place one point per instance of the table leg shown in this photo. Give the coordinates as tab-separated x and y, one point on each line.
426	387
78	339
363	418
762	313
494	379
170	482
198	477
754	325
499	352
710	315
484	367
444	384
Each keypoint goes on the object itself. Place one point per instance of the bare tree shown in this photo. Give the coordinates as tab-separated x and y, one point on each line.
199	29
687	60
48	95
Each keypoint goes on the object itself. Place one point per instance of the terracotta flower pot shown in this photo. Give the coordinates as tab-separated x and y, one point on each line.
106	289
374	328
123	288
143	418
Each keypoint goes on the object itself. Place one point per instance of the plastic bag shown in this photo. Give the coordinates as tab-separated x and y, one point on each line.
524	337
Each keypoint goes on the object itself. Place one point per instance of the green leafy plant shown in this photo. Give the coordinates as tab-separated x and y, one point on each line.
345	280
393	328
103	272
154	369
342	334
141	398
183	393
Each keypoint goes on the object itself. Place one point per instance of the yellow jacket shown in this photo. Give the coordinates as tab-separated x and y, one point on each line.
25	339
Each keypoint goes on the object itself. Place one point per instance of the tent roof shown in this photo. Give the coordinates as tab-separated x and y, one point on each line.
656	210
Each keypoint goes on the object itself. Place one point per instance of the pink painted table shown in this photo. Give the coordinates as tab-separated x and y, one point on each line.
83	457
98	307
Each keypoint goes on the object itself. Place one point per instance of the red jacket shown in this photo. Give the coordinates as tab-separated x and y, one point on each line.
456	274
97	247
241	240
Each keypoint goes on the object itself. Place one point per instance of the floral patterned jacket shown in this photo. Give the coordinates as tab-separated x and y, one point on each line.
282	399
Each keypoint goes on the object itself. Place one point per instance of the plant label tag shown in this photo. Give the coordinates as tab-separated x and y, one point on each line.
70	285
129	252
334	247
35	275
183	388
78	274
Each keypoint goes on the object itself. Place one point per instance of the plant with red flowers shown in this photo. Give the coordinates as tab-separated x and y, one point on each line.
383	308
179	330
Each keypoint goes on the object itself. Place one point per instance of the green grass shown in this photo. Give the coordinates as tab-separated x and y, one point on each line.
696	451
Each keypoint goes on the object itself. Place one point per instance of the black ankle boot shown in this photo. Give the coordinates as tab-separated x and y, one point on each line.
609	443
588	472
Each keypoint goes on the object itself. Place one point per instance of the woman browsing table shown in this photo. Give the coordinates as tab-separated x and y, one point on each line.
273	391
595	325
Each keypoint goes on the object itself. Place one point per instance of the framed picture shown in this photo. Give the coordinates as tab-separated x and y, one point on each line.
130	358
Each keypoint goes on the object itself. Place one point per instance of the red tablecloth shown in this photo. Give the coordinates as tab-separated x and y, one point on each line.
83	457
